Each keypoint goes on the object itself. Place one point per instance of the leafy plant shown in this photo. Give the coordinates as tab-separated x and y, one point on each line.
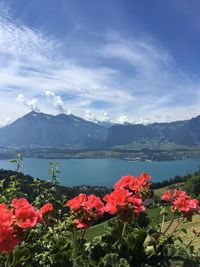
53	172
51	231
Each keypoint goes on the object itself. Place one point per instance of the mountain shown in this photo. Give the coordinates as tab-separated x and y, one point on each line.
43	130
180	132
125	134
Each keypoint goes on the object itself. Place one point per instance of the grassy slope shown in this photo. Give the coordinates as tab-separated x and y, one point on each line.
187	237
162	190
96	230
188	226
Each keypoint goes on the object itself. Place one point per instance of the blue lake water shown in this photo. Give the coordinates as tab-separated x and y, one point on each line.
103	171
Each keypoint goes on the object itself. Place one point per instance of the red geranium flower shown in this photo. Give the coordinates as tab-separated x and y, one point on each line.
43	210
86	209
180	201
138	185
24	213
167	196
80	224
124	182
116	200
122	200
76	202
21	215
94	203
137	204
182	204
48	207
178	193
194	204
8	238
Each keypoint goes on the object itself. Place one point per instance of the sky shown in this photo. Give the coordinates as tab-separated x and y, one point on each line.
133	61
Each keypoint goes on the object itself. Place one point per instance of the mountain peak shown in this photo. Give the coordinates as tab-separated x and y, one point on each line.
33	114
37	129
36	114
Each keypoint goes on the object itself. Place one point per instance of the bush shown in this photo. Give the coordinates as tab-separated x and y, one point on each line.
192	185
48	231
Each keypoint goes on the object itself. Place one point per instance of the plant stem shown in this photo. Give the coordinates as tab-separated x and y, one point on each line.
124	229
190	242
82	237
133	219
74	234
170	224
163	223
8	260
177	225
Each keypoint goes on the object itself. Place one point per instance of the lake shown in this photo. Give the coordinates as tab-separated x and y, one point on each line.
103	171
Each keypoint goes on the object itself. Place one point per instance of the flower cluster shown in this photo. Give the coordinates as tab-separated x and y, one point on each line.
181	202
22	215
120	201
138	185
86	209
125	199
46	209
128	195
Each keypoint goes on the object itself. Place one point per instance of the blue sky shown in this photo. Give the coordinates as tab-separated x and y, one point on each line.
111	60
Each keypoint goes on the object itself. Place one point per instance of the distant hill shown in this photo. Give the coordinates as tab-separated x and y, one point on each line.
42	130
181	133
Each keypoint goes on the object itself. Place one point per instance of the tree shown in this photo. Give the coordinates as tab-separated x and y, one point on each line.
192	185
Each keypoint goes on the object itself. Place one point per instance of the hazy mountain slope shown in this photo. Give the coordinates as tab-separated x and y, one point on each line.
181	132
124	134
43	130
39	129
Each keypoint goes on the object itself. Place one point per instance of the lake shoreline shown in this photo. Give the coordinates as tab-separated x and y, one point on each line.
134	155
106	157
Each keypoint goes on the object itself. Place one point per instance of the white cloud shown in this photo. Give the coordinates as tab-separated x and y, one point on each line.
18	40
143	54
20	98
28	63
97	116
55	100
105	117
90	116
31	104
121	119
5	122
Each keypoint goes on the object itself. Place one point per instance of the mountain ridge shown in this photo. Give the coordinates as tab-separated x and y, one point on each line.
40	129
37	129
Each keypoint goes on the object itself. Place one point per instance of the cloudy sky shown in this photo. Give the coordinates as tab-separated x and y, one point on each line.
111	60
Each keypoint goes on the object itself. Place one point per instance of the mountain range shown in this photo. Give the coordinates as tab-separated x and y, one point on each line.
43	130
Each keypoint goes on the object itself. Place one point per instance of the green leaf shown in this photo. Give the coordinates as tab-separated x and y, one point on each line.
13	161
113	260
123	263
183	230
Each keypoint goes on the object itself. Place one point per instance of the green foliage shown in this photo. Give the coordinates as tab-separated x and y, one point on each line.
11	188
53	172
113	260
45	194
192	184
18	162
51	248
